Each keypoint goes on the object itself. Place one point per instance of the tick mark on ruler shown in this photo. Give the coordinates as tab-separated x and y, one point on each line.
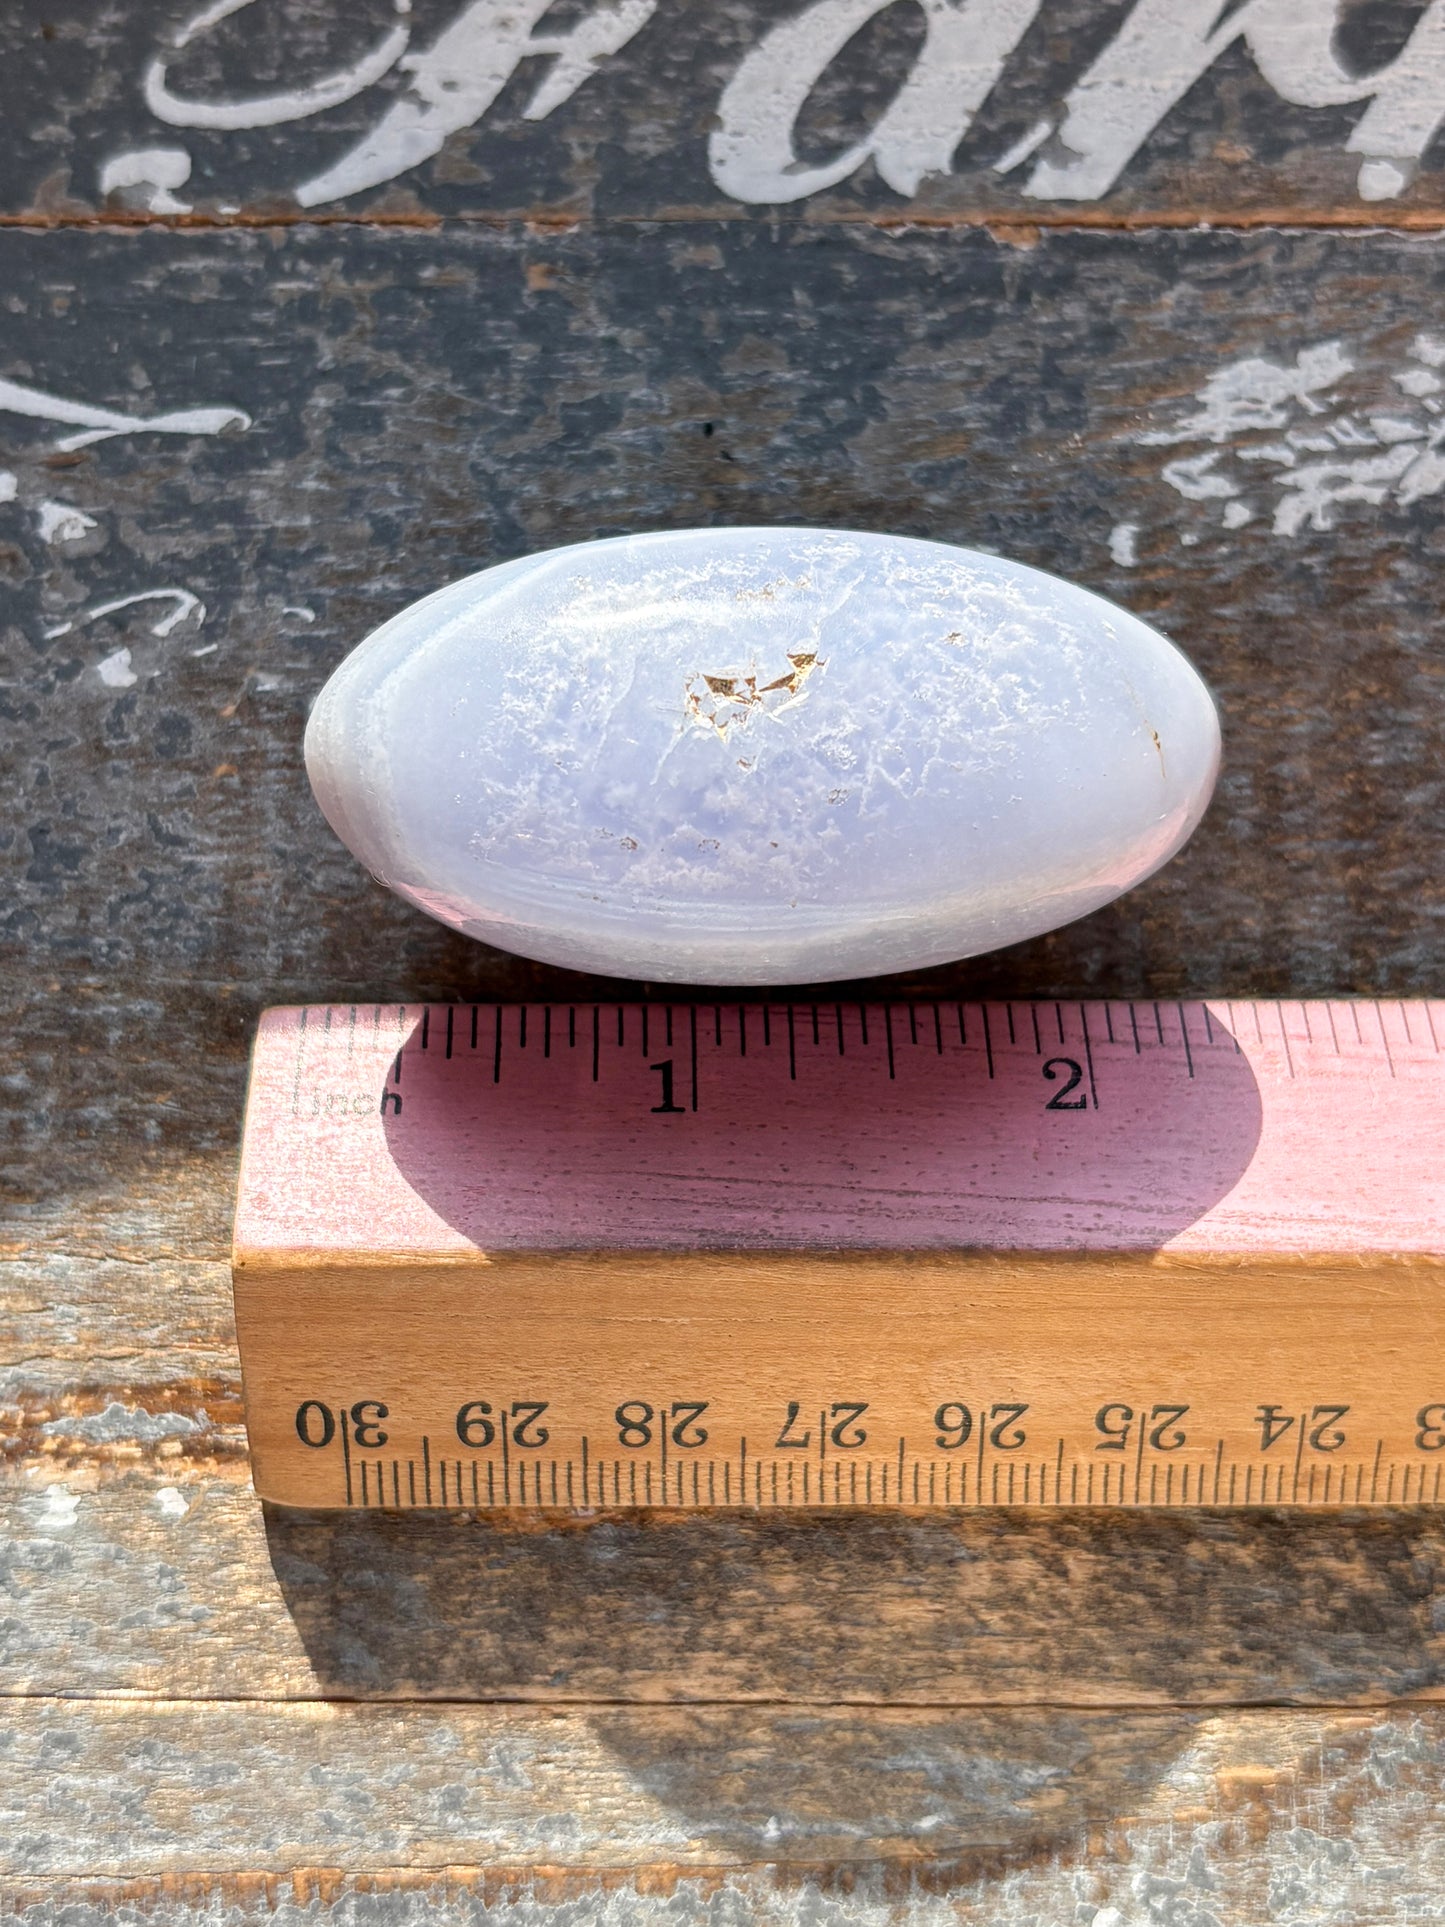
1089	1056
1384	1039
1284	1039
346	1456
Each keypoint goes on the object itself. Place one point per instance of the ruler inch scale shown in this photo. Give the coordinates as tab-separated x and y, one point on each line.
790	1255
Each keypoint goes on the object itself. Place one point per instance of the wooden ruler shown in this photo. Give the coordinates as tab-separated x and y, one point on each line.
833	1254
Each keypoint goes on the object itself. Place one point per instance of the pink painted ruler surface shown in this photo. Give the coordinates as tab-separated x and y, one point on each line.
408	1132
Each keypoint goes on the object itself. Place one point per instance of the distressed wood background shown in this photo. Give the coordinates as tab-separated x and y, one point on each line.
306	309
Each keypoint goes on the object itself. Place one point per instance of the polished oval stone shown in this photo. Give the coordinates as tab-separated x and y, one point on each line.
753	756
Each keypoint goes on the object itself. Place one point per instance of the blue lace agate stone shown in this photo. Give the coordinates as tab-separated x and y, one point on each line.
757	756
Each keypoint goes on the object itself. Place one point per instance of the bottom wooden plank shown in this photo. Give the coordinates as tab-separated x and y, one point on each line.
170	1579
1044	1815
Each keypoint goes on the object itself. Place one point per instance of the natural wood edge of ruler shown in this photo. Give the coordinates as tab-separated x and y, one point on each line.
252	1263
249	1261
710	1380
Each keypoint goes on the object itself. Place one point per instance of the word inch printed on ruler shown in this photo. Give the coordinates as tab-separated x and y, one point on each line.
841	1255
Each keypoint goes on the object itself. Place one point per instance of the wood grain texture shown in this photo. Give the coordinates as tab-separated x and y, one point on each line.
254	1787
137	1565
80	1326
999	1817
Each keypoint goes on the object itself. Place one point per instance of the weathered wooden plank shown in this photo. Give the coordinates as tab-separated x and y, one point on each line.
138	1562
1336	1815
1233	433
73	1327
124	1789
833	108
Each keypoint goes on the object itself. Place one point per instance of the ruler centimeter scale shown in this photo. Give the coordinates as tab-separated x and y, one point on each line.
915	1254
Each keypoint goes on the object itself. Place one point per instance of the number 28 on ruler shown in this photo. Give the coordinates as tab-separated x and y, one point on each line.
498	1452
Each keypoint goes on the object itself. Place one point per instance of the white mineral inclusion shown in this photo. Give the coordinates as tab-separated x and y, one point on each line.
756	756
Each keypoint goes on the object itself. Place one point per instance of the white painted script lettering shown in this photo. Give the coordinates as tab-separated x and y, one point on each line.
63	522
183	605
1161	50
456	80
1405	114
1291	443
99	424
966	48
270	109
1165	46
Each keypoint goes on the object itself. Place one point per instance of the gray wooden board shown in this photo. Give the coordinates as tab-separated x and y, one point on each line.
73	1325
137	1562
393	409
1029	1815
250	1786
1316	111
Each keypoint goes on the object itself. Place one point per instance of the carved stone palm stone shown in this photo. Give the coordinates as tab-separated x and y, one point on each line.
757	756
